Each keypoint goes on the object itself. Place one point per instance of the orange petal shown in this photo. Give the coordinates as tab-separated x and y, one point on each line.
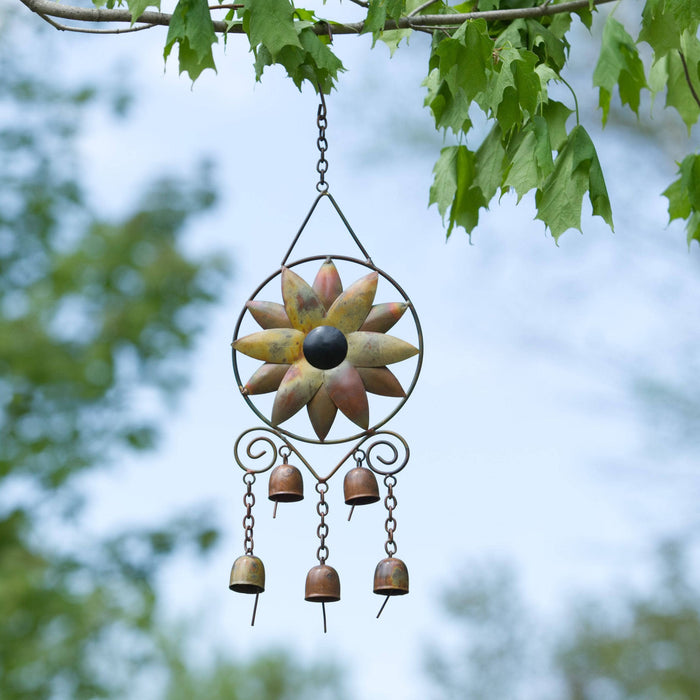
383	316
350	309
304	309
278	345
327	284
348	393
380	380
298	387
322	412
366	349
268	314
266	379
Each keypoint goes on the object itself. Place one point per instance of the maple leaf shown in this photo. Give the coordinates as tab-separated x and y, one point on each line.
576	171
192	29
619	64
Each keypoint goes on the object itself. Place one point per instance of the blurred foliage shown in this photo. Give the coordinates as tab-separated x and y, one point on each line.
624	646
97	318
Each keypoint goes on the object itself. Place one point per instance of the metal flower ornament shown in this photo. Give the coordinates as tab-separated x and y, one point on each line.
326	348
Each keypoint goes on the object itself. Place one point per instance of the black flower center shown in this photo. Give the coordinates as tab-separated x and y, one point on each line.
325	347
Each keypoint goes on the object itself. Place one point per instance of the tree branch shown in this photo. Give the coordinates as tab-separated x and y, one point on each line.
687	77
430	22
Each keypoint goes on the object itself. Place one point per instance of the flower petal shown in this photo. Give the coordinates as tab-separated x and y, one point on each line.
327	284
298	387
304	309
278	345
322	412
383	316
366	349
348	393
268	314
350	309
380	380
266	379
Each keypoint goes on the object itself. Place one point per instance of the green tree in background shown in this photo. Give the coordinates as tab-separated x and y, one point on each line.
95	316
626	646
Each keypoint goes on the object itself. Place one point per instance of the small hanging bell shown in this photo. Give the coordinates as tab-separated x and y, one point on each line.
390	578
248	576
360	488
286	485
322	586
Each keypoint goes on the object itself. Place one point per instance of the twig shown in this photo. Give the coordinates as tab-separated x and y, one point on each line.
83	30
361	3
687	78
226	7
84	14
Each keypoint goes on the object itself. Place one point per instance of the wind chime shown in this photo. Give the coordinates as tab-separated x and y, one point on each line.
326	348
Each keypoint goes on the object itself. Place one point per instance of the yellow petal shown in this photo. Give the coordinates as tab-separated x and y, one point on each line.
268	314
366	349
322	412
327	284
298	387
380	380
383	316
350	309
266	379
347	391
278	345
304	309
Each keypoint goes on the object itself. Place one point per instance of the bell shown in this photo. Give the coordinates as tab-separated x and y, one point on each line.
391	577
360	487
285	486
322	586
247	575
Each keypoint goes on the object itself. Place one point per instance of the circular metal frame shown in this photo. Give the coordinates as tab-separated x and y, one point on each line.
364	263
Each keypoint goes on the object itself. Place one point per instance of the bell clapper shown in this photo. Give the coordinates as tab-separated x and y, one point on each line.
274	510
255	609
325	626
386	600
351	512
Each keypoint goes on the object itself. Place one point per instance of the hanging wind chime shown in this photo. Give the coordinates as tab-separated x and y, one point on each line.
326	348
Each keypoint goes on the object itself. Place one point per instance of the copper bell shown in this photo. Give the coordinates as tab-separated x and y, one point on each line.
390	578
322	586
248	576
360	487
285	486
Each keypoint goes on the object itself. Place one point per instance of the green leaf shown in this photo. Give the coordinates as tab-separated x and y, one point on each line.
454	188
660	27
270	23
378	12
684	196
529	155
138	7
679	94
192	29
576	171
619	64
556	114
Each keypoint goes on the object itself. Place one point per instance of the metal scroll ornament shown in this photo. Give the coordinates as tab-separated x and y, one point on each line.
327	349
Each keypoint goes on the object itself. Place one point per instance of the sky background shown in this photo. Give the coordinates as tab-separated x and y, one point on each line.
528	441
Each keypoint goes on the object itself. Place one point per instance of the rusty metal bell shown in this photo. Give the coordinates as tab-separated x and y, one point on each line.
322	584
360	487
286	484
391	577
247	575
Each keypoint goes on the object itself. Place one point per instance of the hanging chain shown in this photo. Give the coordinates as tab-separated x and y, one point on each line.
322	143
359	456
390	525
322	529
248	519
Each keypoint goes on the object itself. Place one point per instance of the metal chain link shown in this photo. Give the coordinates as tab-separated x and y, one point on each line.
248	519
390	524
322	144
322	529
